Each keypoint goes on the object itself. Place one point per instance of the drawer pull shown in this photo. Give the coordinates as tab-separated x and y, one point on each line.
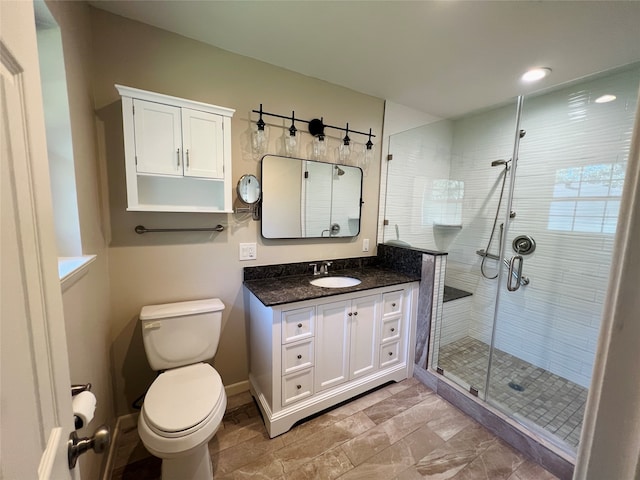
298	387
299	325
299	357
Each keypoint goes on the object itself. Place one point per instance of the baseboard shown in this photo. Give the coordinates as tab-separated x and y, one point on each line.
123	422
236	388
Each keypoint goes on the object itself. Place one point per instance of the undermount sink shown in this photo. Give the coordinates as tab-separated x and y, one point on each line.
335	282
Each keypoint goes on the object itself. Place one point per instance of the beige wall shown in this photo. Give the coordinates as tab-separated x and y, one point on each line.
87	308
157	268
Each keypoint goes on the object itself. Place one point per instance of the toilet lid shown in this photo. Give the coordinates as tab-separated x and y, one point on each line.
183	397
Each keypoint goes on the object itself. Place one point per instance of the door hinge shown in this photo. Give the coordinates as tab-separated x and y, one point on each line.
133	107
306	174
440	370
136	157
385	222
390	157
473	391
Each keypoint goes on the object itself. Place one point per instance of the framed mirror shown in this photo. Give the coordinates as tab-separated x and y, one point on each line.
309	199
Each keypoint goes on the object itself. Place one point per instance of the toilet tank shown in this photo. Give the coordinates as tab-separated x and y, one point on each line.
178	334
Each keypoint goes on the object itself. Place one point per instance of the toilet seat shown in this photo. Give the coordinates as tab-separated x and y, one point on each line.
182	400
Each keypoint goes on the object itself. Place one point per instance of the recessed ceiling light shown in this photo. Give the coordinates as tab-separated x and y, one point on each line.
535	74
605	98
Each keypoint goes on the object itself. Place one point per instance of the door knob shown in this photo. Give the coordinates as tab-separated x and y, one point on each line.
77	446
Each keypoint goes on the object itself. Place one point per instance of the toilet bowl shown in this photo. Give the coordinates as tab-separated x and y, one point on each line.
184	406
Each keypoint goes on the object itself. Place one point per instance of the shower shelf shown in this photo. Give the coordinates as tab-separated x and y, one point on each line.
453	226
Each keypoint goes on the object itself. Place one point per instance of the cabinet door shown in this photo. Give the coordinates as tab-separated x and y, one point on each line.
202	141
364	318
158	138
332	345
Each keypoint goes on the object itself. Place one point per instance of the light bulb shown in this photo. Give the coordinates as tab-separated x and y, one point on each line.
290	145
259	142
319	148
344	152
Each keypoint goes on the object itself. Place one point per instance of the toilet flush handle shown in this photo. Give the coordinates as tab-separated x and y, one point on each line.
150	325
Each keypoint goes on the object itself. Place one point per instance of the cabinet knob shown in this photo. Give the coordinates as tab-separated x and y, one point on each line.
393	304
393	329
299	325
391	354
350	313
299	357
298	387
355	313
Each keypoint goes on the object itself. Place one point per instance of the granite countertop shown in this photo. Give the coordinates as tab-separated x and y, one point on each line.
296	288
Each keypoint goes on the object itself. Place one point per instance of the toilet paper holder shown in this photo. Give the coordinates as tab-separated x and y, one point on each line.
79	388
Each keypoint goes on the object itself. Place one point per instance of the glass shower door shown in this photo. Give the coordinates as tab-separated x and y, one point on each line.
566	196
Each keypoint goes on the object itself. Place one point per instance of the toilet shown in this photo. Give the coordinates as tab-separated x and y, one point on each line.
184	406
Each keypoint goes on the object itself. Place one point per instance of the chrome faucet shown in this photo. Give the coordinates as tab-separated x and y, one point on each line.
324	268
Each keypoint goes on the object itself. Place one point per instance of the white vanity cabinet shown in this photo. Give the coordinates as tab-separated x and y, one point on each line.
177	153
307	356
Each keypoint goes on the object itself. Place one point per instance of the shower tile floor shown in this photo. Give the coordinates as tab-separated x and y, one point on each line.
550	402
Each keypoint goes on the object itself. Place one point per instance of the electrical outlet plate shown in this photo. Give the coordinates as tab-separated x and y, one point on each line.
248	251
365	245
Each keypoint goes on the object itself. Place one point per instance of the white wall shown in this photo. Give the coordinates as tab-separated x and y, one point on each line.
160	268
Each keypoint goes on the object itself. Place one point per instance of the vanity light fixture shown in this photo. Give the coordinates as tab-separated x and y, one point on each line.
344	151
316	129
259	136
535	74
367	158
605	98
291	141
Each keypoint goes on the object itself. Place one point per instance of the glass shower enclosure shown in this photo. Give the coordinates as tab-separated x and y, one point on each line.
524	198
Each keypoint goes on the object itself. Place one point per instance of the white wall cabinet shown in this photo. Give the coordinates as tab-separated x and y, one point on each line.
307	356
177	153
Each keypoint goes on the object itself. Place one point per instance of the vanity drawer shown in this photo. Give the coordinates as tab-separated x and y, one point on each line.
392	303
297	324
297	356
390	330
297	386
389	354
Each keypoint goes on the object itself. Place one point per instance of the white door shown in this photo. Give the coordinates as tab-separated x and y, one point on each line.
158	138
332	344
35	399
363	357
203	144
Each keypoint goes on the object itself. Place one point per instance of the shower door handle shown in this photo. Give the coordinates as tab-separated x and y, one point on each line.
517	275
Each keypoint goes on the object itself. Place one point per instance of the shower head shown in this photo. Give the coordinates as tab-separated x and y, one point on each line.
495	163
339	171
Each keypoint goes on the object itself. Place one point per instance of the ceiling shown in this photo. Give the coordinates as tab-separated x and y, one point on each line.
445	58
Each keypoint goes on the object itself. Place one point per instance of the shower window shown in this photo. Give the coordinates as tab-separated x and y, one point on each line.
587	198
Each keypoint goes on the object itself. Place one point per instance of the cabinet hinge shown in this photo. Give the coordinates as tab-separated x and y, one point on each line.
133	107
136	157
390	157
306	174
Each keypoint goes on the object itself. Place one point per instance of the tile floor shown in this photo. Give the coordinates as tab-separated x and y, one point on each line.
551	402
400	431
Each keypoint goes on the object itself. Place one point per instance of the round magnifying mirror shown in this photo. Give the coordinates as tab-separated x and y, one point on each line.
249	189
